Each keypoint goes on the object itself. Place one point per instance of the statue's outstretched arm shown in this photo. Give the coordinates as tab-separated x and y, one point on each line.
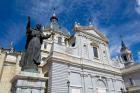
47	36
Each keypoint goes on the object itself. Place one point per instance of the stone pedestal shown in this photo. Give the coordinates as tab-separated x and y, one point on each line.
28	82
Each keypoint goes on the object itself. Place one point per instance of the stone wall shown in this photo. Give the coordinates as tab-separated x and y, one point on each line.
8	69
82	80
58	79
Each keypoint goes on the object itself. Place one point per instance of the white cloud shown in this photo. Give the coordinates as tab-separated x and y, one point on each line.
39	9
130	34
138	2
138	55
137	8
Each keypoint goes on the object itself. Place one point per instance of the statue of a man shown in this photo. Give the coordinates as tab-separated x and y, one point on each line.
32	56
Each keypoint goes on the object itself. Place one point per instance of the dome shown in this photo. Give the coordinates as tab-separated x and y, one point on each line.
57	28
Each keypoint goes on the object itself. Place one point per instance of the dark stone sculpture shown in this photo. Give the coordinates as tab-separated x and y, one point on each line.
32	56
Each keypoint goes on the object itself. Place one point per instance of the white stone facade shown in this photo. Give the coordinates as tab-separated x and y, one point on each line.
78	65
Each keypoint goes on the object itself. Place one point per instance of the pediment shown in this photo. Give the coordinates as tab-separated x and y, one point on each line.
92	32
97	34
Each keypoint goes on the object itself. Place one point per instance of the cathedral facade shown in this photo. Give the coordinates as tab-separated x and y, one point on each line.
76	64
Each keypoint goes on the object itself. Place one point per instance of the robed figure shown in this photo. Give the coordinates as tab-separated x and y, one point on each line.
31	57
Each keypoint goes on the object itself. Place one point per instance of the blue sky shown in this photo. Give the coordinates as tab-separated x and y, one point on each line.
111	17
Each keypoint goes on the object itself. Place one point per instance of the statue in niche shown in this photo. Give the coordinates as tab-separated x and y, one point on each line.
32	55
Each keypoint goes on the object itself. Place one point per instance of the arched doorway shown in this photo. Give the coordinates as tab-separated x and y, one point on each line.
101	86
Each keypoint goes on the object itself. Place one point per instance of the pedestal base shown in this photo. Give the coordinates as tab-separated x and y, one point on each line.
28	82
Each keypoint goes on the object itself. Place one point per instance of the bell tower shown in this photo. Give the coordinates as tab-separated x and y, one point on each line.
126	54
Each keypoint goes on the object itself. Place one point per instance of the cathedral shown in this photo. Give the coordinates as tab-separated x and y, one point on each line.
78	63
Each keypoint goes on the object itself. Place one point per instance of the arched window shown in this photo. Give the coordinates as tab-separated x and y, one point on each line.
66	42
101	87
125	58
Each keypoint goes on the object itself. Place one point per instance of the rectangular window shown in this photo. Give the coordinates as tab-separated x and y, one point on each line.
60	40
95	51
45	45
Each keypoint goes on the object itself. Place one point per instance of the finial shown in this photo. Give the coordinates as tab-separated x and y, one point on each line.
90	21
54	12
123	46
54	18
76	24
11	47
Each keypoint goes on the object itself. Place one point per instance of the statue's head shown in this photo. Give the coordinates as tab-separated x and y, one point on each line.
38	27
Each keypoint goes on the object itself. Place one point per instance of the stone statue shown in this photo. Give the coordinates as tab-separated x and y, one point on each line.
32	56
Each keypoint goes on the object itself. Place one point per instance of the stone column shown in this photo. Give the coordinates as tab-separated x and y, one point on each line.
94	83
28	82
109	85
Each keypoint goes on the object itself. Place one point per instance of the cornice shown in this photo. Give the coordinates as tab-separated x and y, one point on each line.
79	28
131	69
77	62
